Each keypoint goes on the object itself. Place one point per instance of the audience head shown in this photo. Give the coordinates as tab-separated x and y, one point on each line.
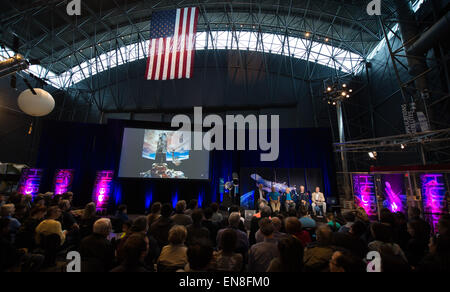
234	219
64	205
349	217
208	212
346	262
7	210
126	226
439	245
381	232
358	229
277	224
266	212
291	254
361	214
293	225
38	212
68	196
53	212
123	209
215	207
417	230
197	216
292	212
180	207
199	256
273	189
386	217
324	235
317	189
266	227
228	241
303	211
302	189
166	210
21	210
140	225
135	249
260	186
102	227
177	235
156	208
193	204
89	211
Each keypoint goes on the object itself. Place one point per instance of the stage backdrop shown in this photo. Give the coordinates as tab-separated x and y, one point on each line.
88	148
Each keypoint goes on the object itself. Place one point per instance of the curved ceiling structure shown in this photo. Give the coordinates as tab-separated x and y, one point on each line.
333	33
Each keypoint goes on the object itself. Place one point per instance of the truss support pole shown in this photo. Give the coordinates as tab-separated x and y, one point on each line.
340	117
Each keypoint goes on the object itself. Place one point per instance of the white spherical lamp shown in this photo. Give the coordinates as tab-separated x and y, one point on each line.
38	105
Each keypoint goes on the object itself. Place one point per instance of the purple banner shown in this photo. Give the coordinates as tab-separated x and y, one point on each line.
394	192
433	196
364	193
63	181
30	181
103	188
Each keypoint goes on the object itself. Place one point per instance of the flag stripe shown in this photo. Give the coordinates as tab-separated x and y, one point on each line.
183	44
154	58
190	44
172	47
186	43
175	45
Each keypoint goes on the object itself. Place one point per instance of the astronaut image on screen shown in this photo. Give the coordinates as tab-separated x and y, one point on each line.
164	147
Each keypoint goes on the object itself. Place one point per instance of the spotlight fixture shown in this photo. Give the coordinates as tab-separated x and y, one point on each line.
344	85
307	34
373	155
327	39
403	146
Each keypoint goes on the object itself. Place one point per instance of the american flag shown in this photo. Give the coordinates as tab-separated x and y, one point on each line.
172	44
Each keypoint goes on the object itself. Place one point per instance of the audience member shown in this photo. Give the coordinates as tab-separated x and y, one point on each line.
174	255
261	254
135	251
212	226
290	258
160	228
155	213
200	256
193	204
226	260
277	235
318	254
51	226
294	227
216	217
350	220
180	218
7	211
332	223
97	253
345	262
233	224
306	219
196	231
